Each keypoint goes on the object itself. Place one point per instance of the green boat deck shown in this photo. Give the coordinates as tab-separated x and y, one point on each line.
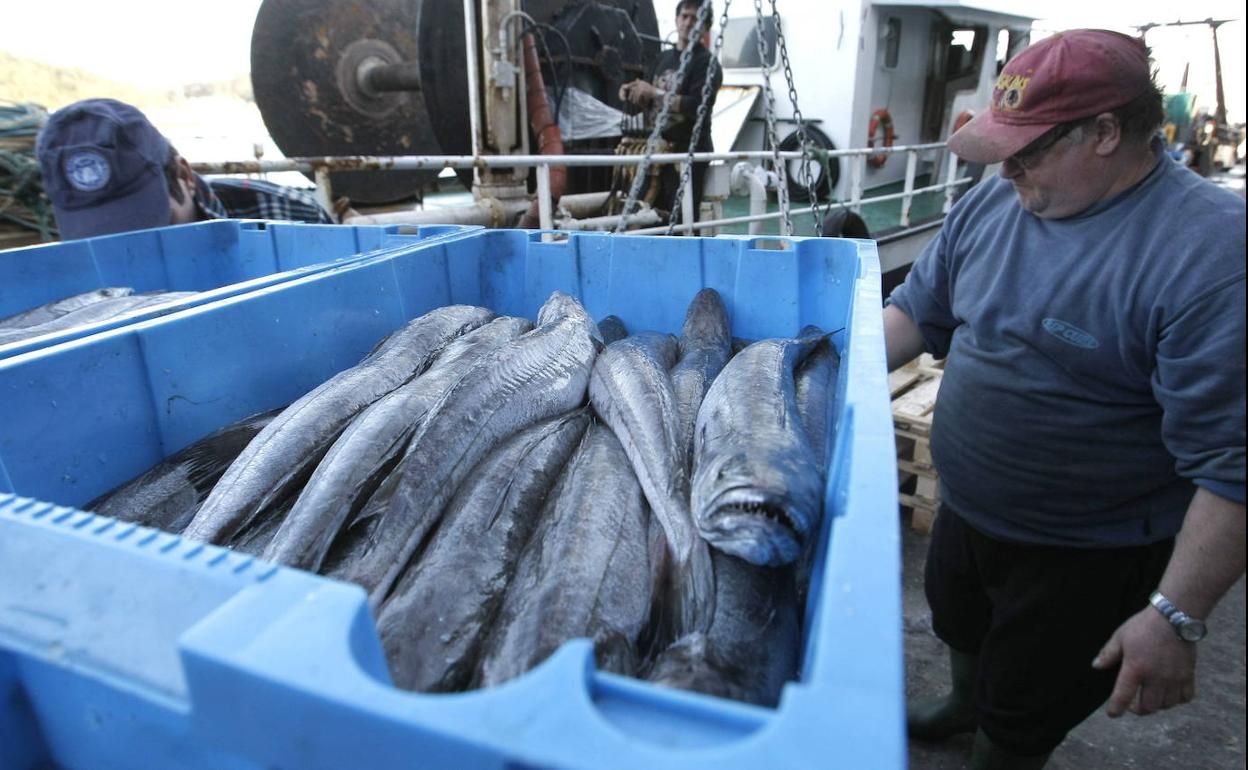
877	216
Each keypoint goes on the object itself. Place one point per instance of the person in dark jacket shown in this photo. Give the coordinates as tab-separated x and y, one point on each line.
684	99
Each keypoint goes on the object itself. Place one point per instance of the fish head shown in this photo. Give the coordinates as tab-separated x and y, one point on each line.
707	319
560	306
746	507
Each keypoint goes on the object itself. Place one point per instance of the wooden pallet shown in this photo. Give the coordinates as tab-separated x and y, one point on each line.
914	388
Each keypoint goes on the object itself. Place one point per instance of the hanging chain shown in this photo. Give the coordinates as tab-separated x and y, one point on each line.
807	178
782	189
660	122
686	174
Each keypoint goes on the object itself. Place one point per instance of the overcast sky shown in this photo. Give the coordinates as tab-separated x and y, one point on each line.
168	42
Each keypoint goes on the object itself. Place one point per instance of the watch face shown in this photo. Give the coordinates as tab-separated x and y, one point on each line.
1192	631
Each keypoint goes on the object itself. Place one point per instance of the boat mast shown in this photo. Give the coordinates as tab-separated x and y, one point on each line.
1220	115
1220	111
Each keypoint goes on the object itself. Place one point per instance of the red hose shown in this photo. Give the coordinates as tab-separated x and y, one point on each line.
549	140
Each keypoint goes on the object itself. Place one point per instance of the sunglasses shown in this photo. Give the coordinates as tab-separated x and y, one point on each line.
1034	154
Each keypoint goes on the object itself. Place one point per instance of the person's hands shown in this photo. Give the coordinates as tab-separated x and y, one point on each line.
1158	669
638	93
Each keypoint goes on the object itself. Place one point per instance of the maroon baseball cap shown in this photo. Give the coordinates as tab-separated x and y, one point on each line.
1071	75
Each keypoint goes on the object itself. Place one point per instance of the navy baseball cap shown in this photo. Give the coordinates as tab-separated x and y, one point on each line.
103	169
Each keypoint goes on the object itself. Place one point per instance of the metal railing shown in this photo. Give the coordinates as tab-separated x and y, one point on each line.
321	166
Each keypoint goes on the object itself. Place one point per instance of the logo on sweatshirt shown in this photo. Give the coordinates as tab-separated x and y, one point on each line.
1071	335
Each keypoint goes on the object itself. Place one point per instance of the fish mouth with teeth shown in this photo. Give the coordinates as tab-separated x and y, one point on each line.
761	527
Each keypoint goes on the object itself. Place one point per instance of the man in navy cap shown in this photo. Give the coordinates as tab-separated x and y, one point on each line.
1090	428
107	170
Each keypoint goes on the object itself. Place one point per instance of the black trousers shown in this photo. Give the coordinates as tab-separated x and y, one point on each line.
1036	616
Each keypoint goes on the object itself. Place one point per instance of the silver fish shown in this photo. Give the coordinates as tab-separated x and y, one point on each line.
371	446
94	312
632	393
167	496
434	622
50	311
534	377
705	346
753	645
260	531
286	451
584	573
815	384
757	487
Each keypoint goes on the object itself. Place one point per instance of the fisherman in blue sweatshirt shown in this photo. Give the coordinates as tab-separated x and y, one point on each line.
1089	433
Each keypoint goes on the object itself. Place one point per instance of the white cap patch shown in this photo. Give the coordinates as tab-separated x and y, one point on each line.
87	170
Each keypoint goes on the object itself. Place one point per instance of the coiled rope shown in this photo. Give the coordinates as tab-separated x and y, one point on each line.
22	199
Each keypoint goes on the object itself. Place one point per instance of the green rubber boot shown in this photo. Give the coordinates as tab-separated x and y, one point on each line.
935	719
988	756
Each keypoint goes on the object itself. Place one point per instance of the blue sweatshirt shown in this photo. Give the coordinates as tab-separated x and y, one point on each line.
1095	364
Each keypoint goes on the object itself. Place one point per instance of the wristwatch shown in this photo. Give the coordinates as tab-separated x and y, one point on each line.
1188	628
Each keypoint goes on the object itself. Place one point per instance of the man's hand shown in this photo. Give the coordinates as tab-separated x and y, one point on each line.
638	92
1158	669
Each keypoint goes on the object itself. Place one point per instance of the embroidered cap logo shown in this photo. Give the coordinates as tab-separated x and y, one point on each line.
1012	88
87	170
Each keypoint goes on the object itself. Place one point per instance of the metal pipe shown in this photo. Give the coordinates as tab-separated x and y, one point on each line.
489	212
951	173
710	223
640	218
755	180
504	39
757	218
912	160
687	214
421	162
549	141
582	205
474	98
544	220
382	78
896	196
855	183
324	192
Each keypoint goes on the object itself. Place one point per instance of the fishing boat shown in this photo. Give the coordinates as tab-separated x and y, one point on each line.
389	120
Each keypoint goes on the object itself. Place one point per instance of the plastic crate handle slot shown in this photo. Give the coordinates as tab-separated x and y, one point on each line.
550	236
771	244
282	642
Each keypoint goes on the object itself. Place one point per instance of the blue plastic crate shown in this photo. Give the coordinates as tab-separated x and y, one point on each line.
123	647
217	259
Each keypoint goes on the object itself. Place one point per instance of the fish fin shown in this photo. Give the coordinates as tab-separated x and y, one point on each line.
614	652
688	604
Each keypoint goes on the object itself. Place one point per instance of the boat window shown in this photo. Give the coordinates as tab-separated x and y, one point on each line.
1009	43
958	53
961	55
740	49
892	41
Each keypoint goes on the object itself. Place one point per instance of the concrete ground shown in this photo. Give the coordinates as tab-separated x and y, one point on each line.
1208	733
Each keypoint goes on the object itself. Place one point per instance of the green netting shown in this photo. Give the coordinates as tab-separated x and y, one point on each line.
22	199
